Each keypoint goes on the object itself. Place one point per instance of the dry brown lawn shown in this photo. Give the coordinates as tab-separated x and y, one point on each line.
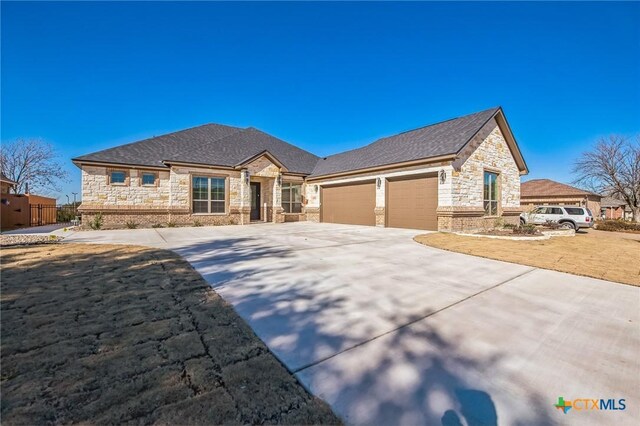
593	254
120	334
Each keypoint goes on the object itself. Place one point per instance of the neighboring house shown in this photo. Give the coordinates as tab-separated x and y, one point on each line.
539	192
457	174
6	184
18	210
612	208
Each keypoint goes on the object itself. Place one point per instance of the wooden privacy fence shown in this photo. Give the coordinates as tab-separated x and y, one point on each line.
21	211
14	211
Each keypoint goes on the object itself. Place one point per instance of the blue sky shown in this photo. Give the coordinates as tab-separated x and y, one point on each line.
324	76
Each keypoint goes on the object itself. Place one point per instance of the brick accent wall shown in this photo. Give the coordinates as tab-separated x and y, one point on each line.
144	219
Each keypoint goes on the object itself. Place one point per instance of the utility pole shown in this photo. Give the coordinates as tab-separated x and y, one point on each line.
74	198
67	195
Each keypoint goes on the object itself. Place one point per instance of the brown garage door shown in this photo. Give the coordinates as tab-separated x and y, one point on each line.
412	203
349	204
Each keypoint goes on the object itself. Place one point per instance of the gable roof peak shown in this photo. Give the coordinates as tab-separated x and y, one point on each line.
444	138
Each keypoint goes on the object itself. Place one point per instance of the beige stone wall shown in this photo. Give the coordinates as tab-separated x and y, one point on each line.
312	214
96	189
180	186
491	154
169	201
263	167
448	223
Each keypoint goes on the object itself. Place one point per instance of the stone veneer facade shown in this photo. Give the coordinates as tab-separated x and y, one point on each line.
168	201
460	197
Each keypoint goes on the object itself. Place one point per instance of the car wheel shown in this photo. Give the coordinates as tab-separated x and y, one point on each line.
522	221
567	225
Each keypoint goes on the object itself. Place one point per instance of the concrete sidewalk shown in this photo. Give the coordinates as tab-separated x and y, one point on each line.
392	332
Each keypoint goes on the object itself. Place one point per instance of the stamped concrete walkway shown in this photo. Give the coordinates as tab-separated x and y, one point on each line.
388	331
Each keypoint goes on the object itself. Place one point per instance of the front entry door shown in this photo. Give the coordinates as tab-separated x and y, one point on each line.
255	201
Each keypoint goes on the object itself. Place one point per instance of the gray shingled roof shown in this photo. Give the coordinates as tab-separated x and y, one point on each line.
612	202
211	144
218	145
443	138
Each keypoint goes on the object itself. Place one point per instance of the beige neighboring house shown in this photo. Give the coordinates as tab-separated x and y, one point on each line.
6	184
540	192
458	174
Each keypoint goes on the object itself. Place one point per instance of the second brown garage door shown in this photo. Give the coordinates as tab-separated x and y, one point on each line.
412	203
349	204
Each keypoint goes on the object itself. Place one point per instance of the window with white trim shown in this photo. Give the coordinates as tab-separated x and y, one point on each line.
118	177
292	198
148	179
208	194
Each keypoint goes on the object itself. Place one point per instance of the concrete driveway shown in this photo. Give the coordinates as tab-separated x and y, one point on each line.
388	331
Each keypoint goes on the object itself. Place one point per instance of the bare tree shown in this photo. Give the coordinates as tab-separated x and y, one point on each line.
612	168
31	162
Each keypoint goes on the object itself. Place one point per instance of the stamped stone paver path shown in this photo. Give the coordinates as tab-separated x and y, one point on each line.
112	334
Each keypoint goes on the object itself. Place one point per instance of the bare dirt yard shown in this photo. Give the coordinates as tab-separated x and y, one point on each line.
112	334
591	253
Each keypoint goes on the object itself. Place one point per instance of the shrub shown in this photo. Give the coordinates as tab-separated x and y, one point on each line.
157	225
197	223
96	223
498	223
131	225
526	229
551	224
618	225
171	225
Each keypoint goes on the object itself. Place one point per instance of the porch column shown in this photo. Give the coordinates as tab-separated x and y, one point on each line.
245	198
277	216
381	183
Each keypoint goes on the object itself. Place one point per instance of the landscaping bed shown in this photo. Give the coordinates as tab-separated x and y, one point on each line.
110	334
608	258
523	232
25	239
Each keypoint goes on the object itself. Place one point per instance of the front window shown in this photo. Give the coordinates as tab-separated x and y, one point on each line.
490	194
292	198
148	178
118	177
208	194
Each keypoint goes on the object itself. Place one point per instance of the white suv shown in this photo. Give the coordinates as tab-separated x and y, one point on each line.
572	217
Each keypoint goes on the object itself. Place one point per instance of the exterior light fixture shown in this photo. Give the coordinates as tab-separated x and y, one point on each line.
378	183
279	179
443	176
245	173
317	188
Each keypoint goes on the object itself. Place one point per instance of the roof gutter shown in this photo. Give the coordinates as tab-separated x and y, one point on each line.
80	163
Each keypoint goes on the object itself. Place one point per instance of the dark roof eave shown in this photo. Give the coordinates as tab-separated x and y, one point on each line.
419	161
79	161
